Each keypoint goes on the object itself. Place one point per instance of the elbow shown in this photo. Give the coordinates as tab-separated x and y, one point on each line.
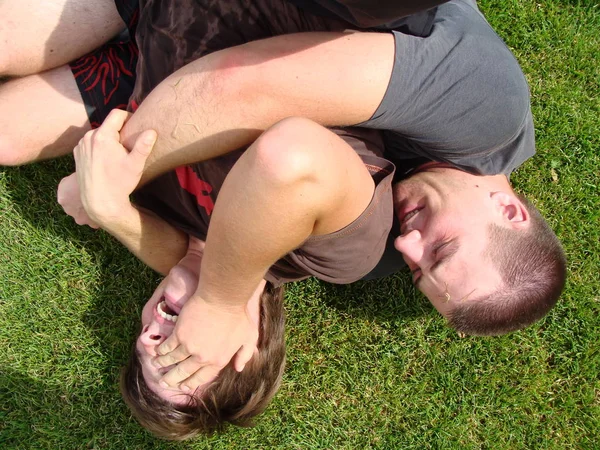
282	153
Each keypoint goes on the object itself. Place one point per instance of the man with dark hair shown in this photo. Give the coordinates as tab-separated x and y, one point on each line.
453	94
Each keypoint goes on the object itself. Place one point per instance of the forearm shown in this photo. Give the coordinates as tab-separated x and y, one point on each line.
224	100
155	242
248	234
297	180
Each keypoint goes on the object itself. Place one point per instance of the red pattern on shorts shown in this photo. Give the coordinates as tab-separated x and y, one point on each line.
189	181
106	78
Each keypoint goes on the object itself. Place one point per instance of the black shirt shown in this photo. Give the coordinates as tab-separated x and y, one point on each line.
379	14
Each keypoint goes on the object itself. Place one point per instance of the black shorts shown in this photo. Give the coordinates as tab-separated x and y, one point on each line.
106	76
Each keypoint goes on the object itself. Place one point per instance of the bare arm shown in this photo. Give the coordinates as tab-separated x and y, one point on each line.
156	243
270	203
225	100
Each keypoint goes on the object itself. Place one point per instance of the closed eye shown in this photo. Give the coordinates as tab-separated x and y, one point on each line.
448	249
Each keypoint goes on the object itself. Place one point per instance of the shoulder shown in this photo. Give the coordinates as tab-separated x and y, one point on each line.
458	96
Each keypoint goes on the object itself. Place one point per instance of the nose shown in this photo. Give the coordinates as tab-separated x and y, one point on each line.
151	336
411	247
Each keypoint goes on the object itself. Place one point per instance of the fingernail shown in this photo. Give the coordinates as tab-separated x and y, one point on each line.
163	384
156	364
186	388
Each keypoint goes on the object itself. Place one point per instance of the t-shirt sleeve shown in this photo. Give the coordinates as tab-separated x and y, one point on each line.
457	96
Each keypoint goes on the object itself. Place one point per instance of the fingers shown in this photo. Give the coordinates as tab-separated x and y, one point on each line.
200	378
109	128
170	352
180	372
115	120
244	355
174	357
189	374
170	344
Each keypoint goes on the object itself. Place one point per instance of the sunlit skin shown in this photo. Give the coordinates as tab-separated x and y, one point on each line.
445	214
175	290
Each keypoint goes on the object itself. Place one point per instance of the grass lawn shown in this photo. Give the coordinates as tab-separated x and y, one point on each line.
369	365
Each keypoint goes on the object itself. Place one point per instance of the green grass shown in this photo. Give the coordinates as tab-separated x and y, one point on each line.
366	368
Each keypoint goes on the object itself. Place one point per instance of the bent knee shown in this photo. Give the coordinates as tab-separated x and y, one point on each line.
290	150
18	150
9	155
11	152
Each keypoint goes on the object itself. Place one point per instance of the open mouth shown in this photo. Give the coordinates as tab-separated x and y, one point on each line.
166	312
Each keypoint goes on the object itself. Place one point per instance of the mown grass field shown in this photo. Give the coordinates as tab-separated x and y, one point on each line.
369	365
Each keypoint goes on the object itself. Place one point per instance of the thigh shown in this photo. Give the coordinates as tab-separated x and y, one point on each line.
39	35
44	115
41	116
174	33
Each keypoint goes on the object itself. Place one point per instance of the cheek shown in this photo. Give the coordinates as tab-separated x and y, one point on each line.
437	297
147	312
149	372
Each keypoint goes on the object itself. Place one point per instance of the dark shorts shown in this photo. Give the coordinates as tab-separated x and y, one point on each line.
106	76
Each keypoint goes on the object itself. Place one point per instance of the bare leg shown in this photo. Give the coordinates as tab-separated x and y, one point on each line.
41	116
40	35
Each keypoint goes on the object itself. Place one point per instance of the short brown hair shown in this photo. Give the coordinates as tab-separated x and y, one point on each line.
234	397
533	269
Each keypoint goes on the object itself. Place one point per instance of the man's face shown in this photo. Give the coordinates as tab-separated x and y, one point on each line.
445	215
159	317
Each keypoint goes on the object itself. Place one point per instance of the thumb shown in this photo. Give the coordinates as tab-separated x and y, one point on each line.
142	148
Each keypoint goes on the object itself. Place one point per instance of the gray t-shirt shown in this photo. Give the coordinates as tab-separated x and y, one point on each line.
457	96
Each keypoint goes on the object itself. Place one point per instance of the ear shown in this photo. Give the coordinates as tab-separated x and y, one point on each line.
511	209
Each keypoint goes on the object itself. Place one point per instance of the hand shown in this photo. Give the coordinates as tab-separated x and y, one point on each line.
69	197
205	339
106	172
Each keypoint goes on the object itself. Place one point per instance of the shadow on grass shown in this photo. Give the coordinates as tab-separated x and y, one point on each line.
34	414
94	416
390	299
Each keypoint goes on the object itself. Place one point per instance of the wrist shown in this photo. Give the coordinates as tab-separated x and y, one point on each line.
109	215
216	303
